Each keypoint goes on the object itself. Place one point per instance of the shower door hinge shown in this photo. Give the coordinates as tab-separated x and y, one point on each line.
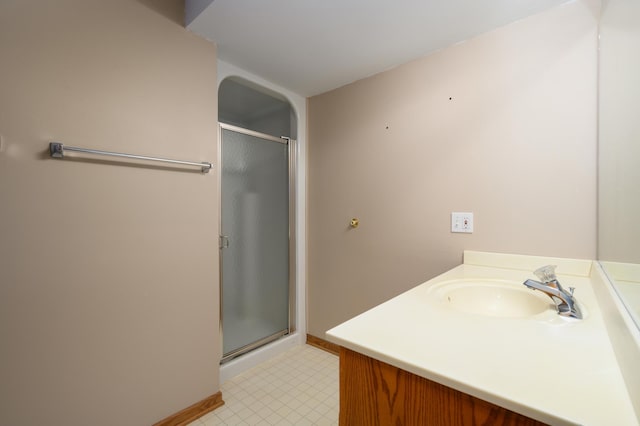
223	241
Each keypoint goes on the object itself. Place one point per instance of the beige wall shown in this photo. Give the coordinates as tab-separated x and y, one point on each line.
619	139
515	144
108	273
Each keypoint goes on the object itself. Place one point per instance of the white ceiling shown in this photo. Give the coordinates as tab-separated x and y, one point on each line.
313	46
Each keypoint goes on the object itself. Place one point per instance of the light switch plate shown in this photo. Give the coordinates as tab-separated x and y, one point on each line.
462	222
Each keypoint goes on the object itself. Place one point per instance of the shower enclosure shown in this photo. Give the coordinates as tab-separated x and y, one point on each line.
256	242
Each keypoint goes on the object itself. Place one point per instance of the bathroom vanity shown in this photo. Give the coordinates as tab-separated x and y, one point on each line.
373	392
474	346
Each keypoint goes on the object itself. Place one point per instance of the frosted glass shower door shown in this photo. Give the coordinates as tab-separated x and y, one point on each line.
255	239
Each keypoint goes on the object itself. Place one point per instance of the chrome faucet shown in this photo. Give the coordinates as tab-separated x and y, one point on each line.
565	303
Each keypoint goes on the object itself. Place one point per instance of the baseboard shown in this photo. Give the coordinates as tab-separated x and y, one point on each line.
323	344
193	412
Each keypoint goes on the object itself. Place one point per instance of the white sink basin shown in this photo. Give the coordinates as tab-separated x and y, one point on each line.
492	298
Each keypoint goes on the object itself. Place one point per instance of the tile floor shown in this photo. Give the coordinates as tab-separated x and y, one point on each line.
298	387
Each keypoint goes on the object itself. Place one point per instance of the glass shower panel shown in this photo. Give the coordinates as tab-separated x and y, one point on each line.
255	242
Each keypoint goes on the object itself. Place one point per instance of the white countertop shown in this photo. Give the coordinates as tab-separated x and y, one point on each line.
557	370
627	278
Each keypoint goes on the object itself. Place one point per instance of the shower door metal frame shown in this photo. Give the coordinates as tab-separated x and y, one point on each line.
292	161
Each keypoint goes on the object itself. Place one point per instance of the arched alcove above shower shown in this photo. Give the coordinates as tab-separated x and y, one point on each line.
251	106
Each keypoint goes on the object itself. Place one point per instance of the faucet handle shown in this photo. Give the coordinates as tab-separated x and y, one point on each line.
571	289
546	273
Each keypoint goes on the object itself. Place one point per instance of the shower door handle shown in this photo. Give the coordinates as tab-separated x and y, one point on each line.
223	241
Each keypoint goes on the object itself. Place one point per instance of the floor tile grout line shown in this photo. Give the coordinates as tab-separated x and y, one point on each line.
280	382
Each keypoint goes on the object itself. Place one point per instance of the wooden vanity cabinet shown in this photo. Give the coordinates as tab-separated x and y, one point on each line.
376	393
